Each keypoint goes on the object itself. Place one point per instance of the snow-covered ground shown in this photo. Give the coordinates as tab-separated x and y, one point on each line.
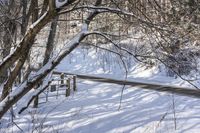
95	106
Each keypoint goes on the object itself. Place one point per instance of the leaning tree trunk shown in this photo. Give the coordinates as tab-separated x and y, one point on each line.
49	49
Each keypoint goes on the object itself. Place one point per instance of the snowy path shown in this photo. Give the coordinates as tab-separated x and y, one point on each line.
94	108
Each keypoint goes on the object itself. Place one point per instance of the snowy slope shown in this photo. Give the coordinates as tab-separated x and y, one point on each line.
95	106
105	64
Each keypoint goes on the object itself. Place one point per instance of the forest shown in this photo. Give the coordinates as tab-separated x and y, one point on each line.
62	50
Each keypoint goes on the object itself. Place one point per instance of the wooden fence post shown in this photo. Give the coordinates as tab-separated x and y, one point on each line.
62	79
74	83
47	94
68	88
36	101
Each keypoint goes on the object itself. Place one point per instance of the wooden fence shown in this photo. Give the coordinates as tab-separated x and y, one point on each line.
66	83
61	84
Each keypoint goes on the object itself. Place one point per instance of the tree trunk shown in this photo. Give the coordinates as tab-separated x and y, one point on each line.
49	49
50	42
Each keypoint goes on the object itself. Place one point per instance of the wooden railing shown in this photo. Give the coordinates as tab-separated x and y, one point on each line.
192	92
65	83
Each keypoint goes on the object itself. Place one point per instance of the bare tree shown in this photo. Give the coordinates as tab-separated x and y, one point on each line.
19	55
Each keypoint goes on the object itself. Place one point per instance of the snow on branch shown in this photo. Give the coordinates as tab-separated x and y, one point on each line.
60	3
